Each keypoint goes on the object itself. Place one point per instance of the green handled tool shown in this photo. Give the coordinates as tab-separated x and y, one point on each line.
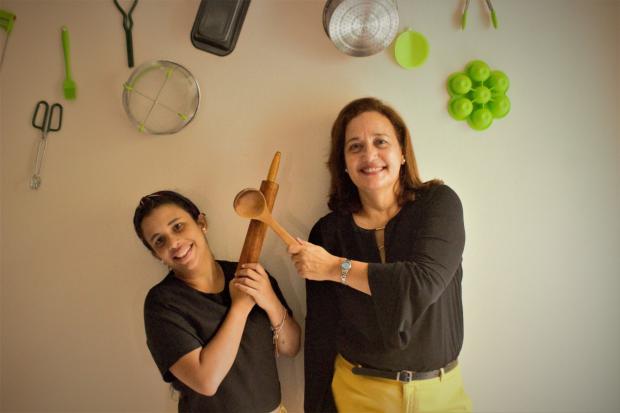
7	21
464	16
68	85
491	11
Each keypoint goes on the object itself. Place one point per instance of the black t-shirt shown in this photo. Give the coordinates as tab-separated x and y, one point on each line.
179	319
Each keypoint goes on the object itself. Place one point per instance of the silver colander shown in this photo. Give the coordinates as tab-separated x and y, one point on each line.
361	27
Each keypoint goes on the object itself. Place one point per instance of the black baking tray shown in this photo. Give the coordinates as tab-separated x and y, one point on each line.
218	24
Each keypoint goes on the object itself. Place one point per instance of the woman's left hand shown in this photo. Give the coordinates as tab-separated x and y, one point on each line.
314	262
253	280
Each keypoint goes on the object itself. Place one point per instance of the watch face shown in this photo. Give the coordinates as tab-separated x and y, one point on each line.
346	265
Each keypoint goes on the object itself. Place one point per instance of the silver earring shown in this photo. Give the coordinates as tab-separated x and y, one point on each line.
402	162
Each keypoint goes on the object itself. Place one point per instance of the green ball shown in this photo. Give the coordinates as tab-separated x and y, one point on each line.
459	84
481	95
499	106
478	71
480	119
460	108
498	82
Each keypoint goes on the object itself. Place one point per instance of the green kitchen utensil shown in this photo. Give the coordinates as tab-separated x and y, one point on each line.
491	12
460	108
493	15
464	16
480	119
478	95
478	71
499	106
7	21
498	81
459	84
481	95
69	86
410	49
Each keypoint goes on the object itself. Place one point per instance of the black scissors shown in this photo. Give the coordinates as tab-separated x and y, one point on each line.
127	25
50	120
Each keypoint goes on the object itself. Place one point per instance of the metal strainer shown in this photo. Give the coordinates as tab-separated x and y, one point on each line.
361	27
161	97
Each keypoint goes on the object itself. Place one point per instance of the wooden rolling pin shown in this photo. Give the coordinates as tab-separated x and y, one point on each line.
257	230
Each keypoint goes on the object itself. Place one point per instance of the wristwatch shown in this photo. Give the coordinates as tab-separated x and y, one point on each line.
345	267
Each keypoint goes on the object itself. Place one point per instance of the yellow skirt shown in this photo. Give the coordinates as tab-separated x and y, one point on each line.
280	409
356	394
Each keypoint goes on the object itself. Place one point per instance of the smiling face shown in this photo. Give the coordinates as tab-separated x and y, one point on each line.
372	153
176	238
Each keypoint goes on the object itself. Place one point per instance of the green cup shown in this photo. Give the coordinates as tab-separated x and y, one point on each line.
478	71
460	107
480	119
499	106
459	84
498	82
480	94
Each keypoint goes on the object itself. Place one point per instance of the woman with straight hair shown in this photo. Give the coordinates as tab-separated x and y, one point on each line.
384	323
213	331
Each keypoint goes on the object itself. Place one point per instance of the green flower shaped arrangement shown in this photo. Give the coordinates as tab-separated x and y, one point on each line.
478	95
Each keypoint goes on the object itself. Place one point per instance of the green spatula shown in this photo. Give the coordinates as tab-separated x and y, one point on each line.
68	85
7	20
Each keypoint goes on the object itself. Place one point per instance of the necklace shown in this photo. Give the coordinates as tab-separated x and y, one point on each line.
380	239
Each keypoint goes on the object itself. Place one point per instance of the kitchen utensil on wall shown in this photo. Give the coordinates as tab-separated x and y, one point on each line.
68	86
478	95
361	27
464	15
257	230
251	203
410	49
47	119
491	12
127	26
161	97
217	25
7	21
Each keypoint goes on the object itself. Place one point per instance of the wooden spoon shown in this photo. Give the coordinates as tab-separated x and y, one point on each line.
250	203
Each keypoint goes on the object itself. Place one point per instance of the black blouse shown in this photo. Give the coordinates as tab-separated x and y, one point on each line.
179	319
413	319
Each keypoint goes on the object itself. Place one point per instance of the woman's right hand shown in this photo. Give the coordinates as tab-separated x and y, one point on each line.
313	262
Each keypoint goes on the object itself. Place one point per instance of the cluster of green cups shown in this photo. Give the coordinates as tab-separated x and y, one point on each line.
478	95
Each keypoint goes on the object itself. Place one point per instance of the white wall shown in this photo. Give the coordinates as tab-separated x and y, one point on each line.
540	188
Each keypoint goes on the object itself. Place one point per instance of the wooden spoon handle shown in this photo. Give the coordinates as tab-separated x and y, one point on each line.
281	232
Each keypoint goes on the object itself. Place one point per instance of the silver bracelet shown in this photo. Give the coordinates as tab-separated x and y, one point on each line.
276	332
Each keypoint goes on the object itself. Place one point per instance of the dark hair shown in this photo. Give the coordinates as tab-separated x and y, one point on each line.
150	202
343	194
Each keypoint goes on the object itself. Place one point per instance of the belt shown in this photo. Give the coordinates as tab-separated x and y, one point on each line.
404	376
